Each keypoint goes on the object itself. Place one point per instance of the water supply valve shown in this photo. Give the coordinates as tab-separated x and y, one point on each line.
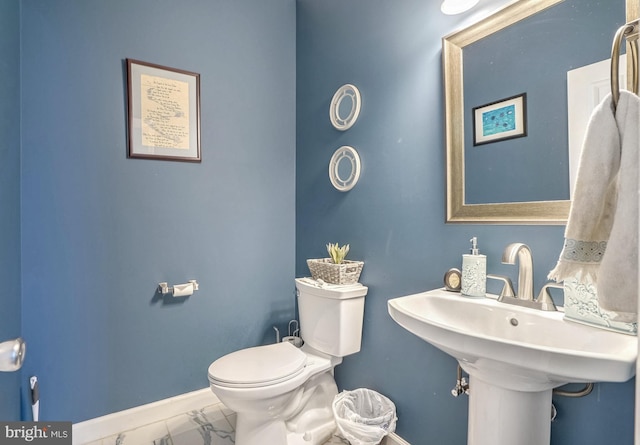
462	385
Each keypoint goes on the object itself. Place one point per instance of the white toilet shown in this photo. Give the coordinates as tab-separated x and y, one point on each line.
282	394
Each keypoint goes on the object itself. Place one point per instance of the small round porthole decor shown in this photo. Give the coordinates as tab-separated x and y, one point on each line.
344	168
345	107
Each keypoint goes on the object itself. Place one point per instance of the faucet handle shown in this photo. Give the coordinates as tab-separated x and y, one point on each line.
507	288
545	299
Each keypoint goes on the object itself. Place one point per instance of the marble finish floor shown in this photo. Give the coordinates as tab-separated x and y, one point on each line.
212	425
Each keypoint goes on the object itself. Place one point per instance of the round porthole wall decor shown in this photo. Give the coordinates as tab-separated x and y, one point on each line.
344	168
345	107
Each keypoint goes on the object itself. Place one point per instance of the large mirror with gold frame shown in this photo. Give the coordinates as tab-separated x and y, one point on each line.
461	207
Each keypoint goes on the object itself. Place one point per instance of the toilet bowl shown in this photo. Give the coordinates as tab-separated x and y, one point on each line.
282	394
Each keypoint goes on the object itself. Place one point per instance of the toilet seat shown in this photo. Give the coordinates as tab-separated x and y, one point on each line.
258	366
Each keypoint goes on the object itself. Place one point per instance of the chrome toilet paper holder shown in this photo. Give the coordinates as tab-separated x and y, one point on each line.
179	290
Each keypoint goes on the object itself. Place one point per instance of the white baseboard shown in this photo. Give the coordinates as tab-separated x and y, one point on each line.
95	429
111	424
394	439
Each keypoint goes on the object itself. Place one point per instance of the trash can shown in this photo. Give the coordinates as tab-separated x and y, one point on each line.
364	416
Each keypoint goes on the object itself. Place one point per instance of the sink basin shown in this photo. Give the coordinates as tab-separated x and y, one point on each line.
514	356
540	347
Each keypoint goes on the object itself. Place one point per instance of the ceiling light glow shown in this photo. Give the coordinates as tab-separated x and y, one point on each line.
452	7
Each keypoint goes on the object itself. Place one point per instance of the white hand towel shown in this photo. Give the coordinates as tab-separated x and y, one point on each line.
618	275
604	209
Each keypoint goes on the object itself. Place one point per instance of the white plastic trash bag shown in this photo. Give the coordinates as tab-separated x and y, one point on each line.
364	416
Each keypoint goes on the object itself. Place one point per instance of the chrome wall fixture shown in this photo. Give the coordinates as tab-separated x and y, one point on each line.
179	290
12	354
630	31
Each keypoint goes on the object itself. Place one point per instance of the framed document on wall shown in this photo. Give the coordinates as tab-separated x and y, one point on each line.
164	112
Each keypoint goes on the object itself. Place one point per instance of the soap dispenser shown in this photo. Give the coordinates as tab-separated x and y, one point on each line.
474	272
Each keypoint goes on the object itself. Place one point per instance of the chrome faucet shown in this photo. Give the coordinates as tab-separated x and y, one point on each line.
522	253
524	295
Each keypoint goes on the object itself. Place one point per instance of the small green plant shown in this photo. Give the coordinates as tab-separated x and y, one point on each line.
337	253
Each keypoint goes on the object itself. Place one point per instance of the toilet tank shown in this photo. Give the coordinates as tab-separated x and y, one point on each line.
331	316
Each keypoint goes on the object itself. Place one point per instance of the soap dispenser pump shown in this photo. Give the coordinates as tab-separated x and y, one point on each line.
474	272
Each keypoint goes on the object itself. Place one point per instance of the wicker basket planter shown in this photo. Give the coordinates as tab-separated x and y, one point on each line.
347	272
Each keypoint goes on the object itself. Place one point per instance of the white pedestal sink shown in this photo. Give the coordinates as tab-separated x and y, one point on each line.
514	356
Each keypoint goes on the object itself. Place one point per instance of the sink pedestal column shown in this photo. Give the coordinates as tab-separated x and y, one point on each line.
500	416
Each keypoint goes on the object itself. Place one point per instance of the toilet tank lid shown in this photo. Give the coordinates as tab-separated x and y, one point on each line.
260	364
328	290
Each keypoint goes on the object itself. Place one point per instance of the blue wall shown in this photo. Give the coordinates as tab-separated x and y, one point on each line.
394	217
100	231
10	196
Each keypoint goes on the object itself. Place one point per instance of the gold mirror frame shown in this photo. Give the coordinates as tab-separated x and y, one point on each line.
535	212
